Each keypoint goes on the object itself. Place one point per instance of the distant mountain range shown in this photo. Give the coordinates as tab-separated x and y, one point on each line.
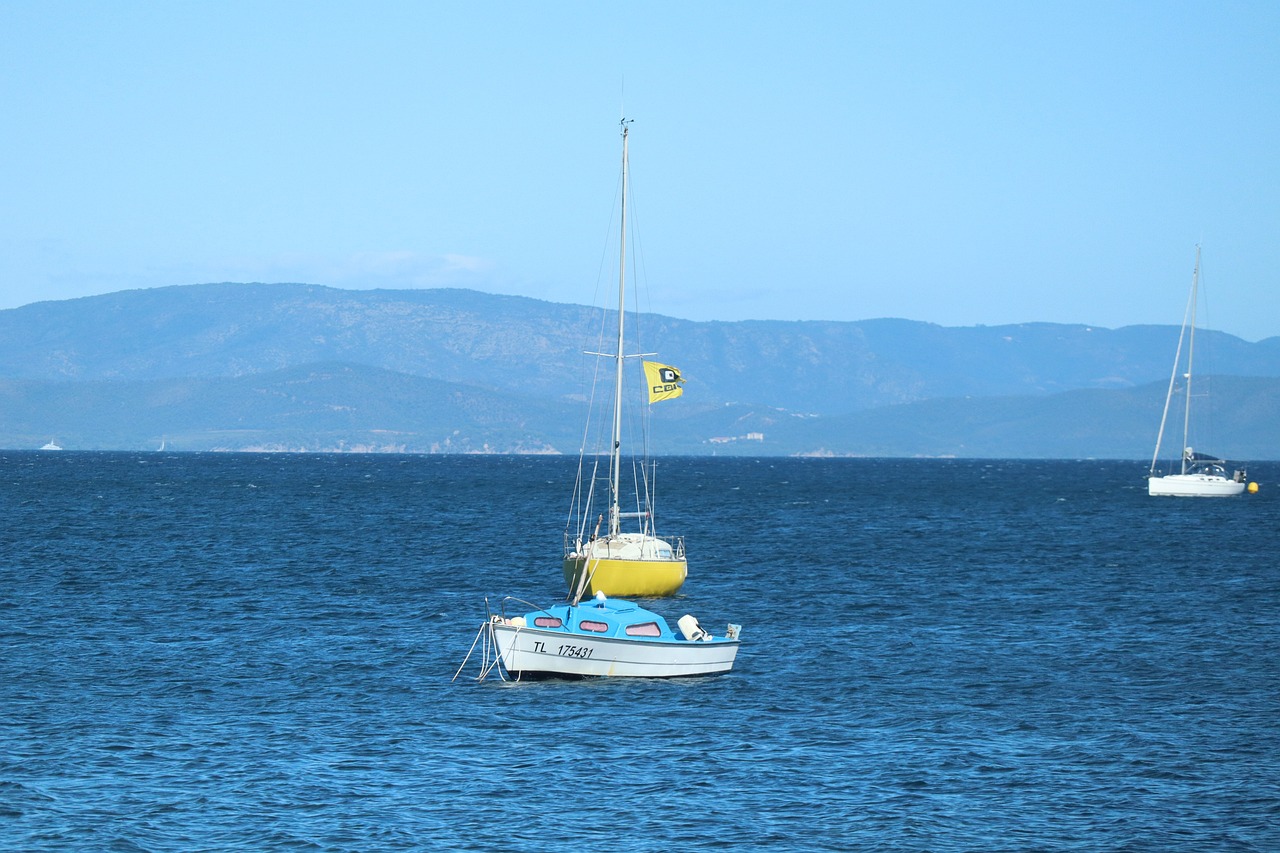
304	367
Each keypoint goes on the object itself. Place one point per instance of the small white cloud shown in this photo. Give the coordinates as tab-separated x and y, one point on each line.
466	263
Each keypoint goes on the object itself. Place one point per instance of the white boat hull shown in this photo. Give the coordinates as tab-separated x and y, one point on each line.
1194	486
531	650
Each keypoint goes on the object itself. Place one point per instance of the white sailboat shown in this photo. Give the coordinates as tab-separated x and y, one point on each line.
1201	475
617	561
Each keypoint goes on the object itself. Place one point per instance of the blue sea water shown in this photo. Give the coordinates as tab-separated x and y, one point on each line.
235	652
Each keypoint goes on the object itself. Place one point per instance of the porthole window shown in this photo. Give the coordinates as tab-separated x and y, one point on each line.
547	622
644	629
597	627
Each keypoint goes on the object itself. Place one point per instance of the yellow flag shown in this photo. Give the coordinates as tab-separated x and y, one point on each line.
664	381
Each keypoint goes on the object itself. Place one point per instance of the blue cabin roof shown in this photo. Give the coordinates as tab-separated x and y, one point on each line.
603	617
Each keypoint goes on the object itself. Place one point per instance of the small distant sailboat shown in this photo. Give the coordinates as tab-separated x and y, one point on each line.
1201	475
617	561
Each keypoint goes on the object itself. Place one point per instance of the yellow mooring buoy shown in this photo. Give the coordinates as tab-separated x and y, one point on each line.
1253	488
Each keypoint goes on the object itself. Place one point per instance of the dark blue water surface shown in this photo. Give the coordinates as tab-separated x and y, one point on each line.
233	652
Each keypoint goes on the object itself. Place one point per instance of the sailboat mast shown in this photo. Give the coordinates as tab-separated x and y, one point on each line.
615	462
1191	351
1173	373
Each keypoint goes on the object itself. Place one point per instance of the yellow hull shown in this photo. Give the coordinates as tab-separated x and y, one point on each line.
627	578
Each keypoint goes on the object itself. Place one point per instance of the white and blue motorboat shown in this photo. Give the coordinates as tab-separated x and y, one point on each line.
603	637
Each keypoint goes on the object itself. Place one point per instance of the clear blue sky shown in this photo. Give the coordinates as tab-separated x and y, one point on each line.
957	162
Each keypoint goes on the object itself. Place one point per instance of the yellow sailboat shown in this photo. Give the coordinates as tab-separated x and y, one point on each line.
598	558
